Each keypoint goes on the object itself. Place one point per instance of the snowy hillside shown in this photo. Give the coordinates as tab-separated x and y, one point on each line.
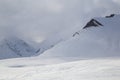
94	69
49	43
98	38
13	47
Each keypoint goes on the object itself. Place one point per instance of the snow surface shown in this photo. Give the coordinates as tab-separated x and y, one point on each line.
89	69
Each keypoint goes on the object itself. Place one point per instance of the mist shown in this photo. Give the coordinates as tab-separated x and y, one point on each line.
35	20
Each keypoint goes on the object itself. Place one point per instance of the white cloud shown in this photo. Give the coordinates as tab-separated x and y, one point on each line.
41	18
117	1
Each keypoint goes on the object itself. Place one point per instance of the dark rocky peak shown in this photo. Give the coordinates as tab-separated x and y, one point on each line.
92	23
110	16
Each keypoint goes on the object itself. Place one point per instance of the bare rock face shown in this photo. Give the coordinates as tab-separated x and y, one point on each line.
112	15
76	33
92	23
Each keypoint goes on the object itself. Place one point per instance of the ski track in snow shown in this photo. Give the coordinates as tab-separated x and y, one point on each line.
91	69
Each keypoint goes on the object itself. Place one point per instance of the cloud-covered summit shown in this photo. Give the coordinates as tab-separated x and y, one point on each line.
37	19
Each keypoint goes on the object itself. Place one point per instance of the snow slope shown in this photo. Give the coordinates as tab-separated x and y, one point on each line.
13	47
49	43
91	69
95	41
100	40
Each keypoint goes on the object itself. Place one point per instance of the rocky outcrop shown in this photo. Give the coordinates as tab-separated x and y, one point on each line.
112	15
92	23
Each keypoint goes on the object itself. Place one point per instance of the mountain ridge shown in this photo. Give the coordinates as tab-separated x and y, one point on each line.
101	41
98	35
13	47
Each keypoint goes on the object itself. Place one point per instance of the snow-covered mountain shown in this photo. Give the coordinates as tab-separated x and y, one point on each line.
100	37
49	43
13	47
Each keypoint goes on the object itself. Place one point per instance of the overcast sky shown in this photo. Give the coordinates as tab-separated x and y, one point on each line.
38	19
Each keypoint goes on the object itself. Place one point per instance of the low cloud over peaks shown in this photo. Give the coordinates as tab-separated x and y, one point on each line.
38	19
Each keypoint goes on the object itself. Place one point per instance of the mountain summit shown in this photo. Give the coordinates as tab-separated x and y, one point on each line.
92	23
